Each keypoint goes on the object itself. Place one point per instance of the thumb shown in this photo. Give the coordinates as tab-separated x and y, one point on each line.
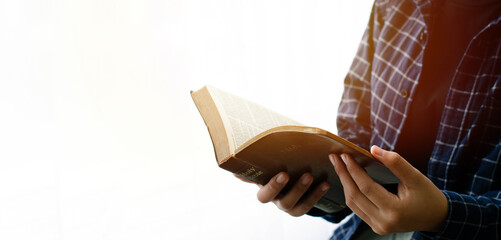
396	164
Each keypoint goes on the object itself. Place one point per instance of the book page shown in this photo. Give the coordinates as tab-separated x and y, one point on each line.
245	118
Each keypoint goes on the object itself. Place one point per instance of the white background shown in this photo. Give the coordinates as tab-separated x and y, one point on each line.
99	138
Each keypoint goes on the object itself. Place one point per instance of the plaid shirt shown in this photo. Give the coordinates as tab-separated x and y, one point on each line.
465	161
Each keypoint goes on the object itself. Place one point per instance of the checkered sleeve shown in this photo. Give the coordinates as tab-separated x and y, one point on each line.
471	217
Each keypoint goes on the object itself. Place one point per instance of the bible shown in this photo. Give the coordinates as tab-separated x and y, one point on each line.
257	143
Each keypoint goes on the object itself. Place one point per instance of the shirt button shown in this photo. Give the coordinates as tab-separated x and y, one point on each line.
422	35
404	93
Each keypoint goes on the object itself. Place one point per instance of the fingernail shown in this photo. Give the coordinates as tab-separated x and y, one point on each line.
377	151
281	179
331	157
325	187
306	180
343	157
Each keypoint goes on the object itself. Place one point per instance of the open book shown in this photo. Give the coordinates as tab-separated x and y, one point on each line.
257	143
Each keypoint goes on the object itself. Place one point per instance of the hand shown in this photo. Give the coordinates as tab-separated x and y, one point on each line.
292	202
419	205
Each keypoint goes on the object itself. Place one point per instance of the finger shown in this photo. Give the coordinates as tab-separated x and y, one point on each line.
289	200
269	191
352	194
307	203
361	214
372	190
396	164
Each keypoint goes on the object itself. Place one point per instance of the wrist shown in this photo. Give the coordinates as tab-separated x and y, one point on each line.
440	213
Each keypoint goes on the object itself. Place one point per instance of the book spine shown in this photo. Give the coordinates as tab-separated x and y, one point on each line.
245	169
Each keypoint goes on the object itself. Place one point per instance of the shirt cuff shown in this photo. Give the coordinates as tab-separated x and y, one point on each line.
460	212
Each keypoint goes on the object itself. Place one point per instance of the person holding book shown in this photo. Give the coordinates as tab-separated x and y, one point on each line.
426	86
